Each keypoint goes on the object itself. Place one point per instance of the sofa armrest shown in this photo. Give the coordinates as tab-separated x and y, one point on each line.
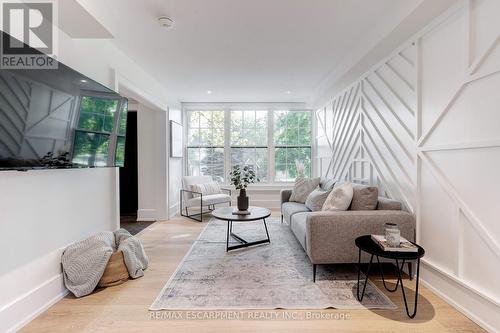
332	234
285	195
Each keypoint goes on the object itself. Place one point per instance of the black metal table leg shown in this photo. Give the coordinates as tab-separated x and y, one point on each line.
383	279
243	242
359	275
416	290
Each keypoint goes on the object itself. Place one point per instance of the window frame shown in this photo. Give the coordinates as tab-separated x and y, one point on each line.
271	109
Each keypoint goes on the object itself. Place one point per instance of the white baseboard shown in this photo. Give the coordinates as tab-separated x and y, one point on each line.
476	307
146	215
173	210
27	307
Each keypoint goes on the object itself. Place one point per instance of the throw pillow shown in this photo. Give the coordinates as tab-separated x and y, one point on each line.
316	199
303	187
327	184
364	197
207	188
339	198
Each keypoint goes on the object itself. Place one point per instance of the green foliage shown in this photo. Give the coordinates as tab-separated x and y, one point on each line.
241	177
97	114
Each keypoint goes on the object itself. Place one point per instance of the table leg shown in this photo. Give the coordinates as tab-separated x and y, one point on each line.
416	290
383	279
359	275
267	233
229	227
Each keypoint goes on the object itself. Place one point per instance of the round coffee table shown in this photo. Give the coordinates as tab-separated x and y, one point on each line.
256	214
366	244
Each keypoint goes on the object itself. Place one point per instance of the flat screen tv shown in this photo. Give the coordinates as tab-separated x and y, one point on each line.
59	118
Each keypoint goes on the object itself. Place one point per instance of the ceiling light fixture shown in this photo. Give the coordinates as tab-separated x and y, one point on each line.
165	22
209	92
288	92
83	81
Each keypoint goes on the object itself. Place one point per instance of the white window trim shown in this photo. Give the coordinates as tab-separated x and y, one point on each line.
271	184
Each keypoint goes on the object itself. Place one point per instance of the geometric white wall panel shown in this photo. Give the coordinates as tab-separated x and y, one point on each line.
369	130
485	26
440	230
475	176
443	67
474	115
479	263
424	126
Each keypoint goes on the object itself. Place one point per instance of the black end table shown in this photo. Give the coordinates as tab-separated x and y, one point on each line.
366	244
256	213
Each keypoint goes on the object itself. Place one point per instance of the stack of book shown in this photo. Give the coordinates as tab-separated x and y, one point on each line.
404	246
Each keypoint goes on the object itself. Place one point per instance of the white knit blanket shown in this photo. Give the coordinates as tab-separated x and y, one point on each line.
84	262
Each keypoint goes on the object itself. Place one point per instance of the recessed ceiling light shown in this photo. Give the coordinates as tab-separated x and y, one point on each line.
288	92
209	92
83	81
165	22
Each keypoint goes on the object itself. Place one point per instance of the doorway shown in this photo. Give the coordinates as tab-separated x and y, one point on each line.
129	177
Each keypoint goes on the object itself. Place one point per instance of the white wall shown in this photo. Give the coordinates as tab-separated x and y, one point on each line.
424	126
44	211
152	155
176	167
41	213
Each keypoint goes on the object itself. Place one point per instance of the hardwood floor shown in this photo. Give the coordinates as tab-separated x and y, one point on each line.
124	308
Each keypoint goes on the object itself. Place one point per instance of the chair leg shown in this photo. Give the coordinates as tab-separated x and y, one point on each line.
281	218
314	273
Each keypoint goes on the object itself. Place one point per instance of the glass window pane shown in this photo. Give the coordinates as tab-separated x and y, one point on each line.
120	151
292	128
206	162
97	114
249	128
285	159
255	157
90	149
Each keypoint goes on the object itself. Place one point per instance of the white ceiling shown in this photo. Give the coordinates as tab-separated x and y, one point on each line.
246	50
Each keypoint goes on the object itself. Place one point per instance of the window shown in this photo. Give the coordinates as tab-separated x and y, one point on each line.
249	141
205	150
218	140
96	133
292	141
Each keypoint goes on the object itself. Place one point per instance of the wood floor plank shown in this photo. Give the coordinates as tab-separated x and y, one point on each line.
124	308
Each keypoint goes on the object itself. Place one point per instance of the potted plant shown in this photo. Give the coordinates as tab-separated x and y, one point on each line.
240	178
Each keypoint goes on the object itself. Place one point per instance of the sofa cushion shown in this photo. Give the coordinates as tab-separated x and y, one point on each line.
364	197
303	187
316	199
327	184
288	209
388	204
298	227
339	198
212	199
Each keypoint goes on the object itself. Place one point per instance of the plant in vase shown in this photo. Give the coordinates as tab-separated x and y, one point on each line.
240	177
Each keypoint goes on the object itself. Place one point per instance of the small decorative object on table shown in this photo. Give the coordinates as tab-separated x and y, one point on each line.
403	246
240	178
392	235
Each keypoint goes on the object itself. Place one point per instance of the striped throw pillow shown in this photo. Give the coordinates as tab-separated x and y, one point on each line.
207	188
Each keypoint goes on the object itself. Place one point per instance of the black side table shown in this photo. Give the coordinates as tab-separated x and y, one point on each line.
366	244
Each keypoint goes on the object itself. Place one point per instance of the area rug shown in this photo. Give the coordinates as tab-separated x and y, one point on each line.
269	276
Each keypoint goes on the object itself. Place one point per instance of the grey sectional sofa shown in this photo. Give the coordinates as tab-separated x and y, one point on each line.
328	236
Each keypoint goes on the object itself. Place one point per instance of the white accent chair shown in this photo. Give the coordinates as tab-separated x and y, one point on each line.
190	199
